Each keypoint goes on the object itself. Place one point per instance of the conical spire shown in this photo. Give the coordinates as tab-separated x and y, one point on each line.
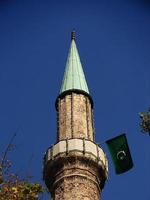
74	76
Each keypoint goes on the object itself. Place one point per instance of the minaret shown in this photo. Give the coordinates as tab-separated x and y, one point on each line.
75	167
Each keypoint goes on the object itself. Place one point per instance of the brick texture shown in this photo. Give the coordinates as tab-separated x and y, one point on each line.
76	180
75	117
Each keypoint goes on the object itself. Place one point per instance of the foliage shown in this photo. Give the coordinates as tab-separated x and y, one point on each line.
12	187
145	121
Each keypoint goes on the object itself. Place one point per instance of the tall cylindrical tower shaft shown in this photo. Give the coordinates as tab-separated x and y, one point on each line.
75	117
75	168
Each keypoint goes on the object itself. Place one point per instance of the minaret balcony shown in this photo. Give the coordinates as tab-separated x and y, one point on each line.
68	149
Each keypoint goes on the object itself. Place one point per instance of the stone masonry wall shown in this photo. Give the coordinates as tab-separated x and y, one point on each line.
75	118
76	181
75	178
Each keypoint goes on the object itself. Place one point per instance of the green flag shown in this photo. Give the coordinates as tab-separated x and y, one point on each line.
120	153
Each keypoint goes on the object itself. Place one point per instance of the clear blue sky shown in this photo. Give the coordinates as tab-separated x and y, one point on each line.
113	39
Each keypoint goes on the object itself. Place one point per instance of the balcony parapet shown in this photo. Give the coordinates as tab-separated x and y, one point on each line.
77	147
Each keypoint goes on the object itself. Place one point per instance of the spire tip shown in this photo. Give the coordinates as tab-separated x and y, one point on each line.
73	35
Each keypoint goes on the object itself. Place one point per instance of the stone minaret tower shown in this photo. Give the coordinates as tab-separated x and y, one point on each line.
75	167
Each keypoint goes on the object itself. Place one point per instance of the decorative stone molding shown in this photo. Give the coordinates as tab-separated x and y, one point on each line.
71	149
86	147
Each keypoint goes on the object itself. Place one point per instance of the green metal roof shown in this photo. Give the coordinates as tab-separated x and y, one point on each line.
74	76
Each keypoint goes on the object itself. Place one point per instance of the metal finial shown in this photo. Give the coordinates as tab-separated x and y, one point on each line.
73	35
